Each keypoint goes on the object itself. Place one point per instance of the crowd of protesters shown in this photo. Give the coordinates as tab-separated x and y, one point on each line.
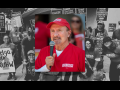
22	44
99	44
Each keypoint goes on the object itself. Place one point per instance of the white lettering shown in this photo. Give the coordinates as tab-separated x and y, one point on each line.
57	20
67	65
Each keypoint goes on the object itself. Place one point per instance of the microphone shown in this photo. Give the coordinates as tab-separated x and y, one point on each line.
52	43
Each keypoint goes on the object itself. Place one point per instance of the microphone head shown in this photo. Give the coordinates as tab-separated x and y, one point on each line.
52	43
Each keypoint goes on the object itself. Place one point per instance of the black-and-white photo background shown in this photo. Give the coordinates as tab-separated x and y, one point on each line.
102	44
103	29
17	33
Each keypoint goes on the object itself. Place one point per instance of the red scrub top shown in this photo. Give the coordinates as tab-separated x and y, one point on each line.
72	59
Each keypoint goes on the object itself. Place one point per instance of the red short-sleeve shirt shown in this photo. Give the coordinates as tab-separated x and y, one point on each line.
72	59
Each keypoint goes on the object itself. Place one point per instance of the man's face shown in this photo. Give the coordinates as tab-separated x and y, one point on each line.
59	34
88	44
6	39
31	58
107	44
100	26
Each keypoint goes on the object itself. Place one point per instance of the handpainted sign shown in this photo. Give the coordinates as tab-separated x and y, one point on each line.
101	14
6	61
16	20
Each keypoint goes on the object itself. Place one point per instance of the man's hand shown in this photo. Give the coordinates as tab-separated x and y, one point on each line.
50	61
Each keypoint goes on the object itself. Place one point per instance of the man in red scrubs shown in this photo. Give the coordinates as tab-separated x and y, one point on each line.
66	57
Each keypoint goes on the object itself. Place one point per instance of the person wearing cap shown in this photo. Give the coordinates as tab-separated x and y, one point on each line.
112	51
98	34
30	67
66	57
27	43
12	46
100	31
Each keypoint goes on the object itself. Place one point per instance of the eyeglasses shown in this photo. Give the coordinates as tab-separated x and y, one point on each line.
75	21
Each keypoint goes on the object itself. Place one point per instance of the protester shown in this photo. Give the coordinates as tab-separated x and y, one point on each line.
25	34
16	38
30	67
70	57
90	31
78	33
28	43
7	44
98	34
100	31
87	33
93	56
112	51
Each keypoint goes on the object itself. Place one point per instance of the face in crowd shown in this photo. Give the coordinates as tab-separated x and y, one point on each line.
107	44
6	39
59	34
31	58
29	29
88	44
75	23
30	35
100	26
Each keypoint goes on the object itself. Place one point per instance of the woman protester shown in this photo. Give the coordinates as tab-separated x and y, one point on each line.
93	58
7	44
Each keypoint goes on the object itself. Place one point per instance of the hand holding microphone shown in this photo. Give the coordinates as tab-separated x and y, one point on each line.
50	59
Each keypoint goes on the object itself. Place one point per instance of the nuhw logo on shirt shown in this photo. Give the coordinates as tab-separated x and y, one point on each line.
67	65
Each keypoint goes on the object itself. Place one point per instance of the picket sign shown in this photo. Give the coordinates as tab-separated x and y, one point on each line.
6	61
